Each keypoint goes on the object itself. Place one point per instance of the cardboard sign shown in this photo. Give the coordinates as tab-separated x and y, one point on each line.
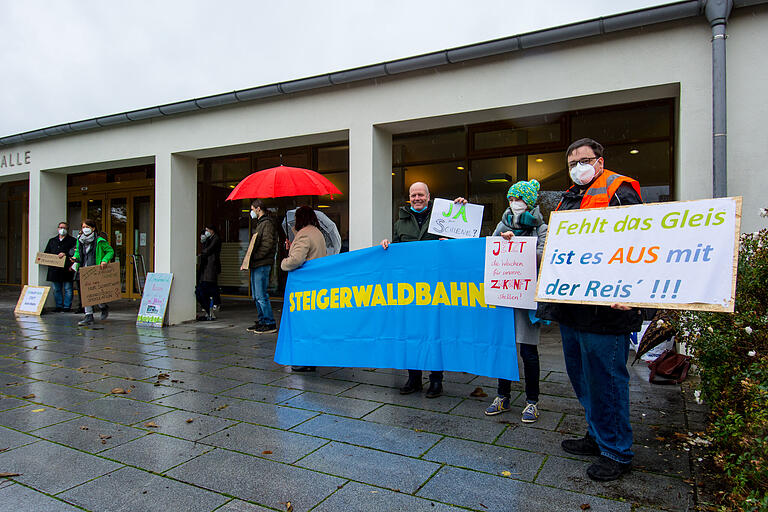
247	258
154	300
510	271
52	260
678	255
32	300
453	220
100	285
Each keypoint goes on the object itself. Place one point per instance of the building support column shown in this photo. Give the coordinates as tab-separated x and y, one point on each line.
175	231
47	207
370	186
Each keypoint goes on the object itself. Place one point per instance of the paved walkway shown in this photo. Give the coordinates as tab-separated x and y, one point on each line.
210	422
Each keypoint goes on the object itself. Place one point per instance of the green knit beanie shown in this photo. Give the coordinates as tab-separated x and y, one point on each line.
528	191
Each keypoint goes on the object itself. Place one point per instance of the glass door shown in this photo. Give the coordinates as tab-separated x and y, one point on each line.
118	236
142	236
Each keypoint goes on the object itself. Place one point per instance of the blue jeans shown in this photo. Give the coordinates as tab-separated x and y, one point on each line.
62	293
597	367
259	285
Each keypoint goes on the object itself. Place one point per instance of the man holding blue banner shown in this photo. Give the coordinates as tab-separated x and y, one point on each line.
411	226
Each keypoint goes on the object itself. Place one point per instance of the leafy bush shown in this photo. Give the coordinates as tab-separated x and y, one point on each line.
731	353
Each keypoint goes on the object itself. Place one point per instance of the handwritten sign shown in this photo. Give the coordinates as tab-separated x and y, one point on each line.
510	271
154	300
32	300
679	255
453	220
52	260
100	285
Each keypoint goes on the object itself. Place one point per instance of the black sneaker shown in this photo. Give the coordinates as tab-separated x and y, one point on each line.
303	368
607	470
267	329
58	310
435	389
584	446
410	387
104	312
87	320
255	327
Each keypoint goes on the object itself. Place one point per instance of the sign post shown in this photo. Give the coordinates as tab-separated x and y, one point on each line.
32	300
154	300
52	260
510	271
677	255
453	220
100	285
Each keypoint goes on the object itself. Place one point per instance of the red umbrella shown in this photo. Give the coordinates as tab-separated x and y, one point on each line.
283	181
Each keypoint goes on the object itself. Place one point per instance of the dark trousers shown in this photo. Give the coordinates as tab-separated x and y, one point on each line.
205	291
530	356
415	376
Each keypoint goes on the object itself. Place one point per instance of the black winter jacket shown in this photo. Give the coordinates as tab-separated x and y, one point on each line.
210	261
56	246
266	243
407	228
591	318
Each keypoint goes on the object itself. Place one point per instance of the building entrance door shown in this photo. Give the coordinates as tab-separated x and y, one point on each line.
126	217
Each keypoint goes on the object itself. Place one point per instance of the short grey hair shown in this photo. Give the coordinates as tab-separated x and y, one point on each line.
418	183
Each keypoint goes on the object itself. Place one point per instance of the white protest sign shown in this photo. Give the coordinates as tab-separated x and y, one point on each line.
679	255
453	220
154	299
510	271
32	300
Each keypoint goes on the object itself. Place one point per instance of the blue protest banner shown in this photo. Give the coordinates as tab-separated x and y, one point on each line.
416	305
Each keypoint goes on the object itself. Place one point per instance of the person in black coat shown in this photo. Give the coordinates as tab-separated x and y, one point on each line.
61	277
207	290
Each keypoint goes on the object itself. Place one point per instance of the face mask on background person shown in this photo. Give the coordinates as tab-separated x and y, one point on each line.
583	174
253	214
62	232
518	206
87	231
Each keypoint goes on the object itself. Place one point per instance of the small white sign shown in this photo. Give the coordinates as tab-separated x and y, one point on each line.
118	238
510	271
143	239
452	220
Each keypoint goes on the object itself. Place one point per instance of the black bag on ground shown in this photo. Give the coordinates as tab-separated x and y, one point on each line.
669	368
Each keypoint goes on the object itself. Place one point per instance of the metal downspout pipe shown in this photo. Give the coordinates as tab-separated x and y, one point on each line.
717	12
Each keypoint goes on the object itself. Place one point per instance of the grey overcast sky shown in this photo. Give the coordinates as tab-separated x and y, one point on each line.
67	60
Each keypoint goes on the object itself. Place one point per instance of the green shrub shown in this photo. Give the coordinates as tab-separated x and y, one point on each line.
731	353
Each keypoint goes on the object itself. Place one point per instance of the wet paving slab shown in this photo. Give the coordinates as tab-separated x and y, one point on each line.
199	417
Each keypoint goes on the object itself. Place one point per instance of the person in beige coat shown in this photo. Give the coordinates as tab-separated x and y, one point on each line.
308	244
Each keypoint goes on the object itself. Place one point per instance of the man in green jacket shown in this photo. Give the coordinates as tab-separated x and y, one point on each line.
411	226
92	249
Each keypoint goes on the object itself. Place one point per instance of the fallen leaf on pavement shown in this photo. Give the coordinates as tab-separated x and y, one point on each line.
38	410
483	506
3	449
9	474
478	392
221	407
289	507
31	395
105	436
506	473
266	452
118	391
190	420
83	427
162	376
585	506
151	424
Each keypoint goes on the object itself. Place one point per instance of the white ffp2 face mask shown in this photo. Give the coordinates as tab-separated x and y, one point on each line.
518	206
253	214
87	231
582	174
62	231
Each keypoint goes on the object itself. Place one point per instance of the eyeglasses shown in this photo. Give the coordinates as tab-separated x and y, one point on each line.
583	161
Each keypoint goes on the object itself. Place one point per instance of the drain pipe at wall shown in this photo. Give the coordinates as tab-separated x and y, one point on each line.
717	12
